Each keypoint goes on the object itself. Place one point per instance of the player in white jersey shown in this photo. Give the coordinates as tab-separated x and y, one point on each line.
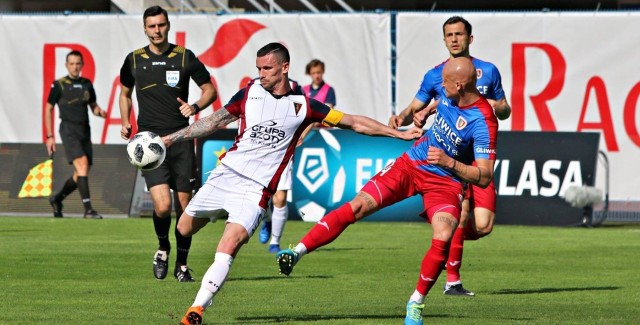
271	121
278	212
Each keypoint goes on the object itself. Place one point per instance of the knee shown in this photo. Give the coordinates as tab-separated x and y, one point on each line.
359	209
484	222
443	235
184	229
280	199
363	205
163	212
484	230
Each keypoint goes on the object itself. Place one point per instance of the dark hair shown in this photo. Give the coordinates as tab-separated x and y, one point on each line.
281	52
74	53
312	64
154	11
457	19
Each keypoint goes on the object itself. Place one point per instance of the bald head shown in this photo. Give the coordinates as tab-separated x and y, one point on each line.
459	79
461	70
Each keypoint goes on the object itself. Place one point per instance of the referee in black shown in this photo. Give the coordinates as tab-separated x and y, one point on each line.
160	73
73	94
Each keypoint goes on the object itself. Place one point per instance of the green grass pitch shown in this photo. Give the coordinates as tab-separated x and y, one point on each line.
75	271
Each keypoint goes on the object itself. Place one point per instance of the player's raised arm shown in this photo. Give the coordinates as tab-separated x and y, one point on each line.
501	107
201	127
369	126
420	118
406	116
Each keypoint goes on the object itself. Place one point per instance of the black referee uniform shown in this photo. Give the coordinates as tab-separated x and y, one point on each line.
159	80
72	97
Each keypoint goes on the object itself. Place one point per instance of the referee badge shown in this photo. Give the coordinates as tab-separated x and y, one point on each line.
173	77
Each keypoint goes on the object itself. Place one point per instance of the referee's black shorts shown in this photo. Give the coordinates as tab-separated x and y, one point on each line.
178	169
77	141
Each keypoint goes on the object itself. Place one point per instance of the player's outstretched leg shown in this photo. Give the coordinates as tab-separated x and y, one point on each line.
287	259
414	313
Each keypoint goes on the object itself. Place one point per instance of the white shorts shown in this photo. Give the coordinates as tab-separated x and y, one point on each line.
227	193
286	178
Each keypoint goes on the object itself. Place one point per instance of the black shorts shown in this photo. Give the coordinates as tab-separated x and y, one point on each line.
178	169
77	141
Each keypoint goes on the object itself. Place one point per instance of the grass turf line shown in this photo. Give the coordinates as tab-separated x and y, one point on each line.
63	271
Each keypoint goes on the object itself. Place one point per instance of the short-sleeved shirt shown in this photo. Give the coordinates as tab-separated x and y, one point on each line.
489	81
269	127
159	80
465	133
72	97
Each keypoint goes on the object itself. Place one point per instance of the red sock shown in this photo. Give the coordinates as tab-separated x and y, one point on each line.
431	266
470	231
454	261
329	227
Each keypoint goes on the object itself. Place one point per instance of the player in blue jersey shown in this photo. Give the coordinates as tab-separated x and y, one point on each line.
436	167
457	38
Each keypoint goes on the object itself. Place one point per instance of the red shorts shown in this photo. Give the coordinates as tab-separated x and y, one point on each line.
482	197
400	180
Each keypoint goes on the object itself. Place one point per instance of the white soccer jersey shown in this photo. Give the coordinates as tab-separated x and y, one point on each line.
268	131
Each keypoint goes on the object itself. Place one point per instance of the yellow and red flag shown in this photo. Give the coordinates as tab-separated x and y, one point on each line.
38	182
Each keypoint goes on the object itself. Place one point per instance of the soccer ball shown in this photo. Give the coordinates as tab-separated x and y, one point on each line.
146	150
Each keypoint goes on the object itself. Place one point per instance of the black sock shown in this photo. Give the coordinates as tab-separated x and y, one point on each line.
162	226
68	188
184	244
83	188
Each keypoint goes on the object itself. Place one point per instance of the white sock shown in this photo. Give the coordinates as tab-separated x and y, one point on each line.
278	220
450	284
213	279
163	255
301	249
417	297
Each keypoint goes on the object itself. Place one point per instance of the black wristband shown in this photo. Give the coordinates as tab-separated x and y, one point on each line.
197	108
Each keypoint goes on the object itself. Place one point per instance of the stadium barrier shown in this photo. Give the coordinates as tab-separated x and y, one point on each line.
27	180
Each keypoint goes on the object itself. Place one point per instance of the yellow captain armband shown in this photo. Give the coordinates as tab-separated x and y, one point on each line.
333	118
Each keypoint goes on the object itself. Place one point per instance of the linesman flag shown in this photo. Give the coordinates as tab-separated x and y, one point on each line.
38	182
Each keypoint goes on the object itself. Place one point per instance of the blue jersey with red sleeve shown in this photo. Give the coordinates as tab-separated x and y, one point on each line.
489	82
464	133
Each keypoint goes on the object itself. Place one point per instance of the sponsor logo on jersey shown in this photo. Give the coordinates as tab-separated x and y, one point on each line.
159	63
461	123
486	150
478	73
172	77
266	133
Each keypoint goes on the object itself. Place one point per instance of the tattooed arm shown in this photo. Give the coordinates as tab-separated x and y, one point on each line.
201	127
